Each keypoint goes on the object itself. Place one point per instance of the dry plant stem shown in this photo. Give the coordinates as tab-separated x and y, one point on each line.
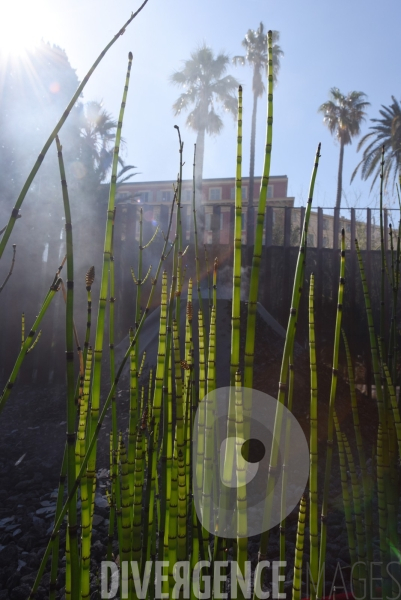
74	99
288	347
330	424
313	470
98	348
299	550
258	244
94	435
11	268
28	342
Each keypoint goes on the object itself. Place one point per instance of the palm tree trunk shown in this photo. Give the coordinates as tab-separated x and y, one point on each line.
340	175
200	151
250	216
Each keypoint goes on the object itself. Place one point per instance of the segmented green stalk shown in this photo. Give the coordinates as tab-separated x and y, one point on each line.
236	301
80	454
367	485
173	526
106	405
72	103
157	399
98	349
133	415
288	346
345	491
196	249
125	548
71	411
394	406
284	477
115	480
202	357
138	487
258	243
28	342
360	572
208	281
313	471
299	550
382	509
112	505
241	464
330	428
59	506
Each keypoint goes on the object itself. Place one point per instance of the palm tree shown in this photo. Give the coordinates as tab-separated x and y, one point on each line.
255	44
343	116
387	133
205	85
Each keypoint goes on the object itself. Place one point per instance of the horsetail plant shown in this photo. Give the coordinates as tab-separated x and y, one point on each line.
330	428
299	550
258	242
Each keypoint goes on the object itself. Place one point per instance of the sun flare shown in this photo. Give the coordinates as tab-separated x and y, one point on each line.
21	28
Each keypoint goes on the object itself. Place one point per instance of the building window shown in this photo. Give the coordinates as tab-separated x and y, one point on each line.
165	196
311	239
143	197
208	221
187	195
325	241
325	224
214	193
244	193
270	191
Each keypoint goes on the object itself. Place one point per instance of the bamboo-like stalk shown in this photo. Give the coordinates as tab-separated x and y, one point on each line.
138	495
94	435
28	342
367	485
359	573
52	136
299	550
71	411
347	500
98	348
242	520
382	509
288	346
59	505
330	424
125	548
258	242
313	489
209	295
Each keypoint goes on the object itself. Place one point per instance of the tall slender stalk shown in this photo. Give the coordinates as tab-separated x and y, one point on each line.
39	160
330	424
299	550
257	250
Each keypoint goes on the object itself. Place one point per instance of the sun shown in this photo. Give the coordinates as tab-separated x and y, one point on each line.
21	27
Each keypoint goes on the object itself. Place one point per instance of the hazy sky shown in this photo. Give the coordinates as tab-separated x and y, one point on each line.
351	44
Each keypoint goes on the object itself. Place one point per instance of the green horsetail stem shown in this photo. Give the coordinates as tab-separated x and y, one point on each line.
23	334
157	401
196	249
313	451
241	464
330	424
94	435
209	295
98	348
171	535
115	480
288	347
28	342
125	548
359	573
347	500
383	260
299	550
85	507
179	231
284	480
71	410
11	267
367	485
39	160
208	431
236	300
133	415
138	489
258	242
56	547
382	509
373	343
